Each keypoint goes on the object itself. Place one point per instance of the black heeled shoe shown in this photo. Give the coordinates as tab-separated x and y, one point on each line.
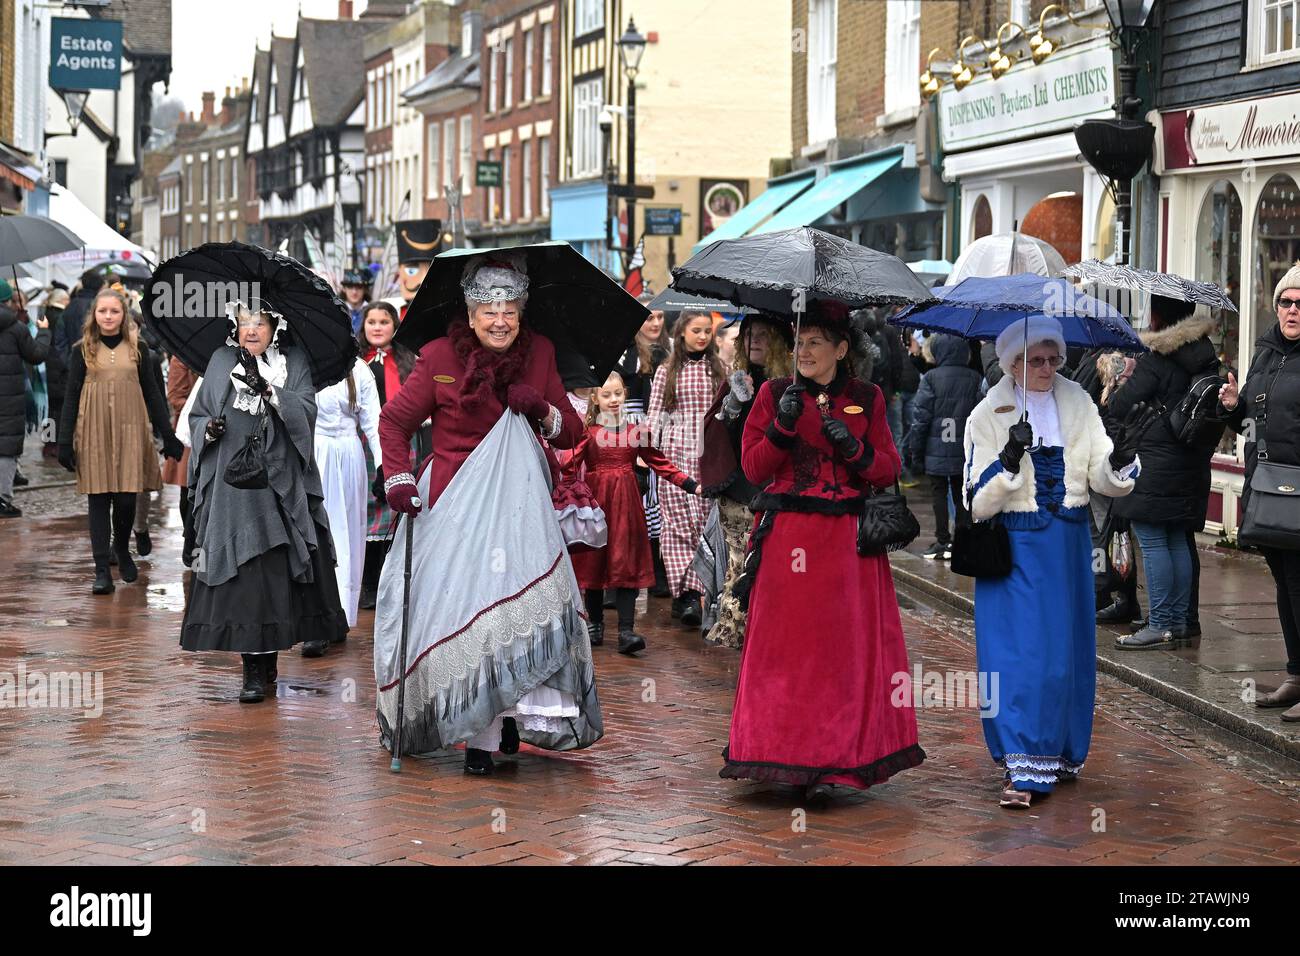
509	736
478	763
254	689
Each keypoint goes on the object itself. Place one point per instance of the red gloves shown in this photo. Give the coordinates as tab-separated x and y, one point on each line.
404	497
528	402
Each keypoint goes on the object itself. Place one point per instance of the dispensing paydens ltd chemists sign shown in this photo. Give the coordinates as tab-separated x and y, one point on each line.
1029	100
85	54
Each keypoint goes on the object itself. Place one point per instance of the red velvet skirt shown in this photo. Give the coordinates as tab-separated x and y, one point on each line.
822	647
625	561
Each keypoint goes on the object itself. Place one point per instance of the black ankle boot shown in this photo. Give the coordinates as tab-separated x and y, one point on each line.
691	611
596	633
315	648
270	671
126	566
478	762
143	543
676	610
254	689
1122	611
660	587
628	641
509	736
103	577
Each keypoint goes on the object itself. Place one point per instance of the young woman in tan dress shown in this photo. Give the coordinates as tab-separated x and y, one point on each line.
111	410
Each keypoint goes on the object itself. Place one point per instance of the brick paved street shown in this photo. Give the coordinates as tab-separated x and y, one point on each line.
175	771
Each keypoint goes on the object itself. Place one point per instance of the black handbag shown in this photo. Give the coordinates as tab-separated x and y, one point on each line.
981	550
1272	515
886	524
247	467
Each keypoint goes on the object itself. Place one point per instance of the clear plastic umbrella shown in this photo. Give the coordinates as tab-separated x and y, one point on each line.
1005	254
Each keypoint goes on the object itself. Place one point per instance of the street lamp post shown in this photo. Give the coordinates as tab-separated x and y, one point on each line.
631	46
1118	148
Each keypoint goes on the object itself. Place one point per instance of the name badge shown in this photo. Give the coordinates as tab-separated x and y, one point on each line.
852	409
1002	409
444	379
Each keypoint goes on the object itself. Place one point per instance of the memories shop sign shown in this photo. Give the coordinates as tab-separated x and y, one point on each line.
1030	100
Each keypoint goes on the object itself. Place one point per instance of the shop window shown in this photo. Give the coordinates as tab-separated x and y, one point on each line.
1277	243
1273	33
1218	260
981	218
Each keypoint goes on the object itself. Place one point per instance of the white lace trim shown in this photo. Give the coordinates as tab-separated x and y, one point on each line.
452	662
1039	769
274	369
557	424
405	478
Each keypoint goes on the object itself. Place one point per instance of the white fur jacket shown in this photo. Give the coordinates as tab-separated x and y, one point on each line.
1087	452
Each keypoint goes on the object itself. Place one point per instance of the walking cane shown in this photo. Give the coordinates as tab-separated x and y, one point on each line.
396	765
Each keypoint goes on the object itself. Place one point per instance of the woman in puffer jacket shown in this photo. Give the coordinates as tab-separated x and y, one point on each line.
1167	506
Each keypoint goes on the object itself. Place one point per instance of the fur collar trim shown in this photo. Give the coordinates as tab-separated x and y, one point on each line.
487	372
1170	340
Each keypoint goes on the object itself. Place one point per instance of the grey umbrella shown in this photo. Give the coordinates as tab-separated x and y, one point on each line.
24	238
1096	272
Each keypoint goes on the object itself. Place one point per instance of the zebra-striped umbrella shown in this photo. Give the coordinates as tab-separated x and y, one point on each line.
1094	271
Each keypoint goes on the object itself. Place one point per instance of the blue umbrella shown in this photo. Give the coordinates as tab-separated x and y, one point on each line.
981	308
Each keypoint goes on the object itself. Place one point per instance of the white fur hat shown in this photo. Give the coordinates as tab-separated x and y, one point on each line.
1011	342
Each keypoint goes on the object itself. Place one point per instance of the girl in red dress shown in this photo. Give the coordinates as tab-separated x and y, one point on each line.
823	650
610	450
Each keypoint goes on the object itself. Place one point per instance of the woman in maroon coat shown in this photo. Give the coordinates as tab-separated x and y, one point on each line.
464	382
813	700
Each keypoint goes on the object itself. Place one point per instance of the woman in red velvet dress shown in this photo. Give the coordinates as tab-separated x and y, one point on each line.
813	701
610	450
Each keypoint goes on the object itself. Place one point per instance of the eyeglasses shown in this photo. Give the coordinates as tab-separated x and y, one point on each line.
1055	361
1285	304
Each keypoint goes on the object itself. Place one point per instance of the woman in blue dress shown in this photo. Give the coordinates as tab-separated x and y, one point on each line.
1034	447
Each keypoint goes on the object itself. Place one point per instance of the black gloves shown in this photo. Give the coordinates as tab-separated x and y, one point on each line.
690	486
377	486
67	457
1019	437
173	448
1129	434
790	407
838	434
216	428
252	376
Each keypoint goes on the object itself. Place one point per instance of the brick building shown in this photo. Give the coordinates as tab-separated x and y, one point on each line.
449	97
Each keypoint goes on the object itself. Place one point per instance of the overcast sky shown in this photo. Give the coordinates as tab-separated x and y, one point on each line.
213	43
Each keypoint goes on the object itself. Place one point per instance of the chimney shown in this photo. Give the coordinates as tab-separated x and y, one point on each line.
345	9
228	108
209	101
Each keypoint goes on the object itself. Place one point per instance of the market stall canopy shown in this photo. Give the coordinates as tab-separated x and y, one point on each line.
839	184
779	193
103	244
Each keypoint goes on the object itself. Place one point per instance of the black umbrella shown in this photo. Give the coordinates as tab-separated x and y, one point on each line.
585	313
188	294
675	300
782	271
24	238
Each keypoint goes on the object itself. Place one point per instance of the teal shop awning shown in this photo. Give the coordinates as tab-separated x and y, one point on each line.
769	202
837	186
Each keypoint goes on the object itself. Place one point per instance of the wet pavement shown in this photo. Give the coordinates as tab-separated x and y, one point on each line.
174	770
1239	653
